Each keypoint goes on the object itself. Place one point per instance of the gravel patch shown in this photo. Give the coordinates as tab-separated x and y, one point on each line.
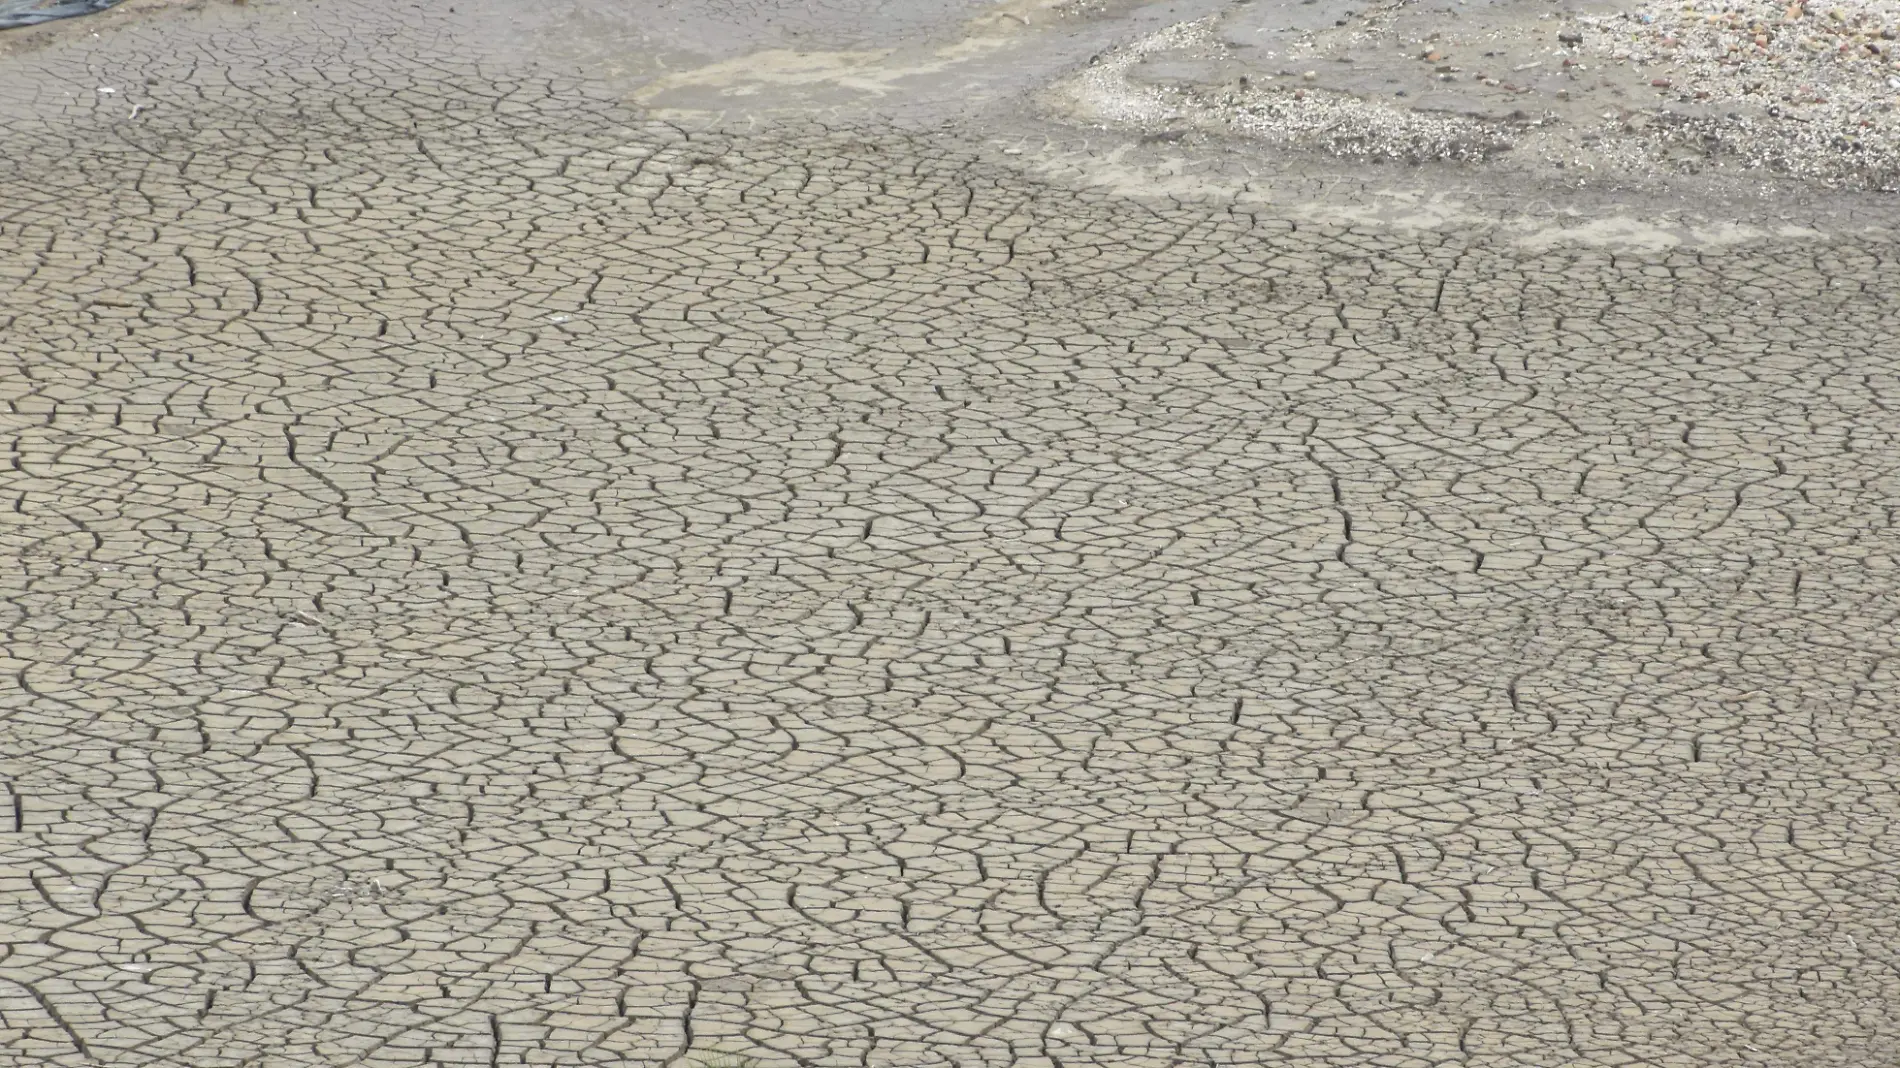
1295	114
1740	88
1805	91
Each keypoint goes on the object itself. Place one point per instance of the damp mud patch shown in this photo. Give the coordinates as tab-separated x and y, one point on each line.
17	13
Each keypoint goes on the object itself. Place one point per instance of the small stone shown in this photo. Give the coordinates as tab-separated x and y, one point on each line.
1570	37
1660	83
1311	75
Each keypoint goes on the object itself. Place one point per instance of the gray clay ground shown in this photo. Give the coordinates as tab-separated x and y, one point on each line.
752	532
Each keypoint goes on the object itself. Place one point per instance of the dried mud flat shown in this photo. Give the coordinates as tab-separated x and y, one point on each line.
686	535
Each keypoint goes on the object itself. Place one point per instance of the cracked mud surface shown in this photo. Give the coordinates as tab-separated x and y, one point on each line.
496	575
